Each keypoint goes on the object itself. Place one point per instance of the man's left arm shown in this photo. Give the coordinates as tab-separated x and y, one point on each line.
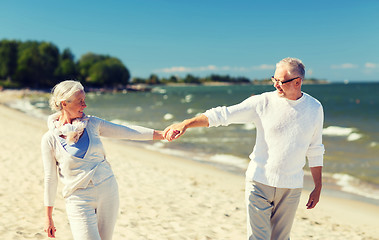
314	197
316	160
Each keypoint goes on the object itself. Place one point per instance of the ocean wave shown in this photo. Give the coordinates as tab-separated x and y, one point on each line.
128	123
354	137
207	139
190	110
337	131
159	90
230	160
168	116
353	185
26	106
350	133
160	147
249	126
187	99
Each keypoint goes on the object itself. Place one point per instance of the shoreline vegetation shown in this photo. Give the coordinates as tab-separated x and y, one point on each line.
41	65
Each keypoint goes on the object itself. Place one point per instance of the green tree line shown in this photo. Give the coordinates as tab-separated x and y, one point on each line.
36	64
190	79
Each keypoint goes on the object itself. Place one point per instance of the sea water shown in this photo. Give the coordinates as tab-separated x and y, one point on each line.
350	135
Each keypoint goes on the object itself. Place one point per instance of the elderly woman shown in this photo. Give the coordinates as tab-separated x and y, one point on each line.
72	147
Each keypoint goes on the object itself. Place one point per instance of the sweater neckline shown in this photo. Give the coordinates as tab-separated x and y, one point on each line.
292	102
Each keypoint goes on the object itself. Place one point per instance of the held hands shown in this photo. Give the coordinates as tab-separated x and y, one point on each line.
174	131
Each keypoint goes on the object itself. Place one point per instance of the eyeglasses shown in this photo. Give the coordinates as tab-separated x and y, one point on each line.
280	83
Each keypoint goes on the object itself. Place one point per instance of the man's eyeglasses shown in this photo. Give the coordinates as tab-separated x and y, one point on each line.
280	83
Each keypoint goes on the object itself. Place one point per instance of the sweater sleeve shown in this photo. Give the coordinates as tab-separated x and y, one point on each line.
316	148
50	171
241	113
112	130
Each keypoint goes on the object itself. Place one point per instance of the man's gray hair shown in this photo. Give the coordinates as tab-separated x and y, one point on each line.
63	91
295	67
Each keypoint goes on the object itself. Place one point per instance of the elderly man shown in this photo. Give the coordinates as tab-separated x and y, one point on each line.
289	126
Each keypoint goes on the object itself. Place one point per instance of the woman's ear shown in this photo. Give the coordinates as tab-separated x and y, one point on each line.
64	104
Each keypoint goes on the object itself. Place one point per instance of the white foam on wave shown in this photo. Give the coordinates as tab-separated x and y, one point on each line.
41	105
133	123
168	116
121	122
337	131
350	133
187	99
354	185
229	160
159	146
249	126
25	106
159	90
354	137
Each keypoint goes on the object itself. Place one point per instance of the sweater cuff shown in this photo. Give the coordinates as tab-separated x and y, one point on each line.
209	116
216	116
316	161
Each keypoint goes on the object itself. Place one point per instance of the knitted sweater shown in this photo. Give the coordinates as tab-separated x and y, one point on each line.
78	172
288	131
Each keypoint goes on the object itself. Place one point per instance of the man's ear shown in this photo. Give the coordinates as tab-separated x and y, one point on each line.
298	82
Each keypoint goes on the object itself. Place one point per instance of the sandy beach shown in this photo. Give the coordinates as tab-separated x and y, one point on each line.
161	196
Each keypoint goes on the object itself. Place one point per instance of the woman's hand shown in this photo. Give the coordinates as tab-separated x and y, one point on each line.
174	131
158	135
49	227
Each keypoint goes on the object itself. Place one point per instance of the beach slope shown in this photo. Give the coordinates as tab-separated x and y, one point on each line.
161	196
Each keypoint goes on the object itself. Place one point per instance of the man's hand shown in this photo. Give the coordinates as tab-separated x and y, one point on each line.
314	198
178	129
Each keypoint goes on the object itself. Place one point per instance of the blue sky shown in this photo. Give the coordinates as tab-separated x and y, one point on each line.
336	40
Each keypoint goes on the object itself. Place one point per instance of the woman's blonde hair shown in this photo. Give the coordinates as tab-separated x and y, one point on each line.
63	91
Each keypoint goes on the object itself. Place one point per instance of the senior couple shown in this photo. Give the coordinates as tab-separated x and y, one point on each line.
289	126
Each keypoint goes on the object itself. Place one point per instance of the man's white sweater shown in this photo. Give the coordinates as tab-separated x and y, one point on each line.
288	131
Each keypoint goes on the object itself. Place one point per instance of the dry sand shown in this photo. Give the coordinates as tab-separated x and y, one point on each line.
162	197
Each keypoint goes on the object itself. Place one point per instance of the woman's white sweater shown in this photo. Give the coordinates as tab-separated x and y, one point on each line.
78	172
288	131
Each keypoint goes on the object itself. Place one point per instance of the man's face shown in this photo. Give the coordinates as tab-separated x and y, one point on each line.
287	90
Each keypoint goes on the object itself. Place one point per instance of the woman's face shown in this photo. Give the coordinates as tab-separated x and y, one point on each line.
74	107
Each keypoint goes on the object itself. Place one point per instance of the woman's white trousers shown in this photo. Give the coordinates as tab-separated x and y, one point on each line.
92	211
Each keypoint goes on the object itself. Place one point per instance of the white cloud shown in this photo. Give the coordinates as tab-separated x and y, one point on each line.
371	65
344	66
187	69
264	67
181	69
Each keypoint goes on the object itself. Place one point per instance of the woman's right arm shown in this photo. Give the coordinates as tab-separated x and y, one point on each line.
49	223
50	181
